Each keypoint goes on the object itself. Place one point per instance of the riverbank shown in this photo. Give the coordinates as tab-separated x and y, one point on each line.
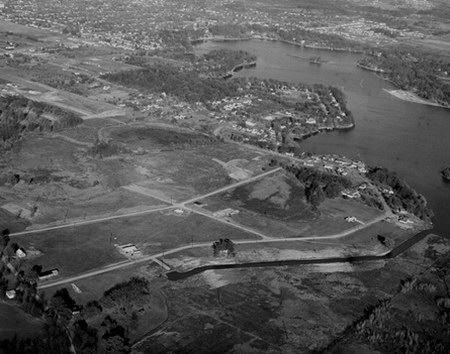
412	97
370	68
263	38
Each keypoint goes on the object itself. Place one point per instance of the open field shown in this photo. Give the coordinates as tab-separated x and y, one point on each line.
34	32
94	243
39	92
97	65
94	287
66	185
359	243
276	205
14	321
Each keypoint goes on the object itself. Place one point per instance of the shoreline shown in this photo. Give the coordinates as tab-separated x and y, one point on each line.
409	96
261	38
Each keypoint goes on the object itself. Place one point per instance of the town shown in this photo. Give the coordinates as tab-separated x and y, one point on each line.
158	198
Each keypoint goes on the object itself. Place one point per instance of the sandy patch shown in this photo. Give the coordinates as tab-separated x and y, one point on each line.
213	279
235	168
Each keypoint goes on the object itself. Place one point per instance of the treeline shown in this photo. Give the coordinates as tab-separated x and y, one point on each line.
293	34
318	185
404	196
412	69
184	84
221	61
18	115
69	327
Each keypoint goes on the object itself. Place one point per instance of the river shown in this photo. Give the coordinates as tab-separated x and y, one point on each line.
409	138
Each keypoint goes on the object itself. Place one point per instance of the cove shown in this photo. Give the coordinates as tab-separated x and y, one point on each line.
409	138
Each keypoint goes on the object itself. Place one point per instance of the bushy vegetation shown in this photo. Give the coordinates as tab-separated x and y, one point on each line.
102	149
221	61
413	70
186	85
318	185
404	196
390	327
68	325
18	115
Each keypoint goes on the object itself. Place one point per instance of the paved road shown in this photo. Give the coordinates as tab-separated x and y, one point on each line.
92	221
151	210
231	186
124	264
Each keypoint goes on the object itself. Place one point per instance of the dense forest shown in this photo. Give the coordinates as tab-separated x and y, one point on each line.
426	74
18	114
221	61
184	84
319	185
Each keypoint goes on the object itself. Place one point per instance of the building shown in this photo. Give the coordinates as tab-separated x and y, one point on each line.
10	294
130	250
45	275
225	213
223	248
21	253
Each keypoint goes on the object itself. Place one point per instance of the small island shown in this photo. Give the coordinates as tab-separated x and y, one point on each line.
445	173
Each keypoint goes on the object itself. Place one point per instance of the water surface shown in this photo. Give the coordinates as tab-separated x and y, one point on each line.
410	138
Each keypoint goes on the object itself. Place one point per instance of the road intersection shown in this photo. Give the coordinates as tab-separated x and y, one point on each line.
198	210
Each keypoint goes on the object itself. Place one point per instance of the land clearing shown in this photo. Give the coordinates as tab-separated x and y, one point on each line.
302	308
276	205
84	106
94	243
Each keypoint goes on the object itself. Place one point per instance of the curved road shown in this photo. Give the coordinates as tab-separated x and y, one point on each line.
128	263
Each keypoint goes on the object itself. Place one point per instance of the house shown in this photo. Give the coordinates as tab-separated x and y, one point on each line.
10	294
130	250
223	248
45	275
21	253
225	213
350	195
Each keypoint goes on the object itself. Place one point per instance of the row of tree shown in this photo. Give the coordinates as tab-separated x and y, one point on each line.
413	69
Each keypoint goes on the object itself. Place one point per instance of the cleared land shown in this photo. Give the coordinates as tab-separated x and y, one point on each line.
302	308
94	244
276	205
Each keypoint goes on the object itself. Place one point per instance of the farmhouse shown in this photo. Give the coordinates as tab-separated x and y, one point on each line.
130	250
10	294
48	274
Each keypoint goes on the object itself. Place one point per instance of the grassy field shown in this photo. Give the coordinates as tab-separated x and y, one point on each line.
94	287
275	206
14	321
362	242
78	249
7	26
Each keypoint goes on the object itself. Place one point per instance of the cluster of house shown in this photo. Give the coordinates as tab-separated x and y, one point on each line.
337	165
